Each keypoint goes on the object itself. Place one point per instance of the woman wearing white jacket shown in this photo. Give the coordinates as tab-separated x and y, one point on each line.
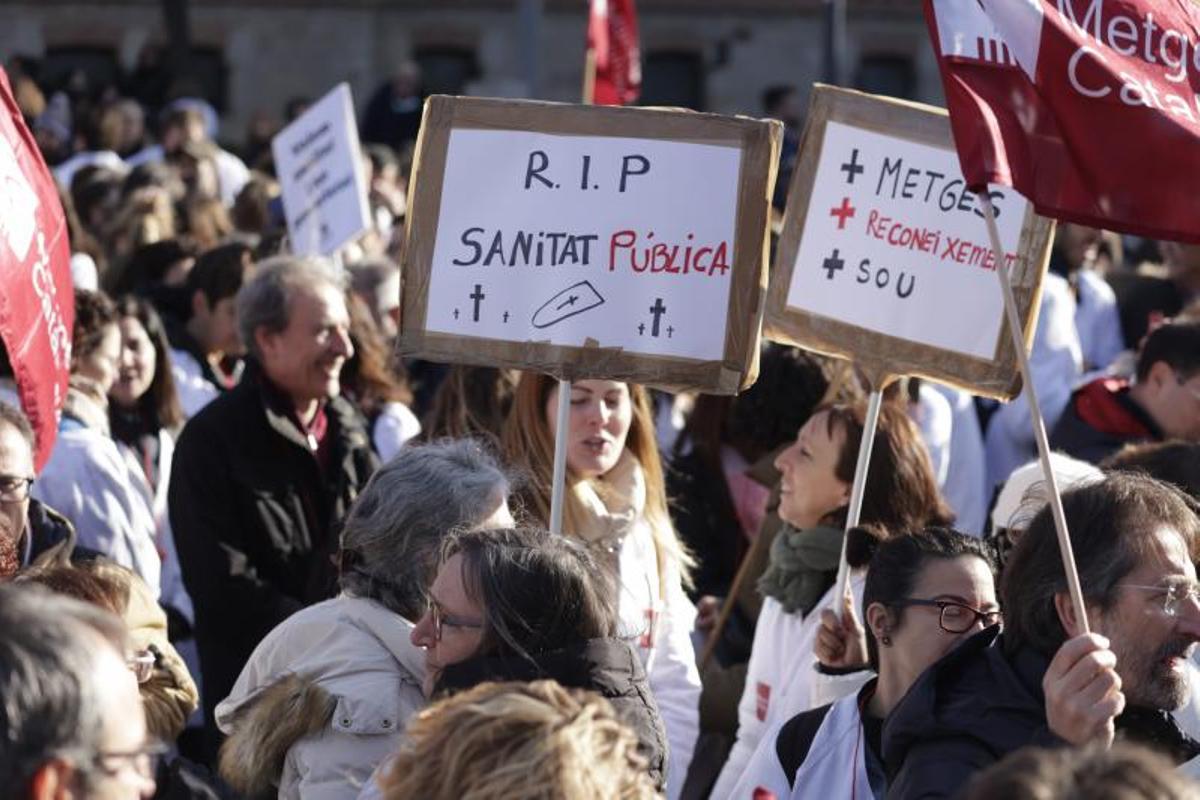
616	502
817	472
326	696
87	480
925	592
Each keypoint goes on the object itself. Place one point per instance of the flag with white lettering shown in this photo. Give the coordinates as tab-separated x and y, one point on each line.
612	38
1090	108
37	301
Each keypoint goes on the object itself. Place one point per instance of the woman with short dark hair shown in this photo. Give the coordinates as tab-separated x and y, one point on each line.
925	592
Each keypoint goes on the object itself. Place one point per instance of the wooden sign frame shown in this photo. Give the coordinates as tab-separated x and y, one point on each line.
759	141
882	357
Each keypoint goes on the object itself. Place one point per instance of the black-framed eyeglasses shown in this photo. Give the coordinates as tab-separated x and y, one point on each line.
1173	594
14	488
442	621
954	617
144	759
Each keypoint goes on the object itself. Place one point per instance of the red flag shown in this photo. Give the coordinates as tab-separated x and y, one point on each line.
612	37
37	301
1090	108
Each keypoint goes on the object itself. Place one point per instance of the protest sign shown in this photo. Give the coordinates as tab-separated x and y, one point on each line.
37	301
589	242
884	257
321	177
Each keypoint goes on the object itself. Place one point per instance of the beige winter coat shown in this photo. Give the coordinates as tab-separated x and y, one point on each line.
323	700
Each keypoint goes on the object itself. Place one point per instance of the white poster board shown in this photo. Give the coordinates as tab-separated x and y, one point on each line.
320	168
574	245
885	256
635	254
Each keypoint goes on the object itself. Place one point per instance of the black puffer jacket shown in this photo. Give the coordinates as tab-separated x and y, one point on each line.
609	667
980	703
255	518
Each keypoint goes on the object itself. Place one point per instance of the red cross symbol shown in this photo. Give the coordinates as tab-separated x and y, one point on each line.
843	213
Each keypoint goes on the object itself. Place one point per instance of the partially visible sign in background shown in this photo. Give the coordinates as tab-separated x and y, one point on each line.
320	168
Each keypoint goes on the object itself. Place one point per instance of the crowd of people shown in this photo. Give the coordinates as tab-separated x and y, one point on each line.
268	557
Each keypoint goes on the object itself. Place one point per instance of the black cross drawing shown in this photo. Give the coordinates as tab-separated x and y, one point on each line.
832	265
852	167
506	317
477	295
670	331
641	328
456	313
658	309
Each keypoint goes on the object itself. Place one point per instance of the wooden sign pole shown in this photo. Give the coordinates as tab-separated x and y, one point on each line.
563	421
858	489
1035	411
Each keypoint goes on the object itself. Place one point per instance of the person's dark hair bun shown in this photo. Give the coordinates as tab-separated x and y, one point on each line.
861	543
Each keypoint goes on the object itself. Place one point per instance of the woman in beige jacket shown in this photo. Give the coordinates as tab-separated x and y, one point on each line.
325	697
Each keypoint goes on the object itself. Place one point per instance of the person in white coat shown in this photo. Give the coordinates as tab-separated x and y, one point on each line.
326	696
925	592
87	479
144	415
900	495
616	502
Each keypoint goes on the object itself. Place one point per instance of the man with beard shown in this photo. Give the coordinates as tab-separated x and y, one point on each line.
265	473
1043	682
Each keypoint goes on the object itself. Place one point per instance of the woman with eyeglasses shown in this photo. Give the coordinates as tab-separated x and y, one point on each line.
817	471
925	592
326	696
521	604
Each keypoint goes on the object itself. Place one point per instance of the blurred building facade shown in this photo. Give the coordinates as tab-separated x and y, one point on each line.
251	56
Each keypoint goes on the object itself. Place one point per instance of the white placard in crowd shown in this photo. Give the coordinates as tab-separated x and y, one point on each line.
885	257
565	248
895	243
319	164
627	242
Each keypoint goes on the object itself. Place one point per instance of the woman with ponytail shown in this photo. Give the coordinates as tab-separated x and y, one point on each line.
900	495
924	593
616	504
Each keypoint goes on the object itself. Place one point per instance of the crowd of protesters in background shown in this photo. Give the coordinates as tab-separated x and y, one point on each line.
268	556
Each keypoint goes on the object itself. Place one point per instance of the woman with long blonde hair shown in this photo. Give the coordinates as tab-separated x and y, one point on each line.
615	502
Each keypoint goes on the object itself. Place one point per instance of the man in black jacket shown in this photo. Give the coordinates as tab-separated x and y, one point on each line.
1041	682
265	473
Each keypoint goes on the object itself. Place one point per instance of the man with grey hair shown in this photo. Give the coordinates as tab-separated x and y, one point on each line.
264	474
326	696
71	724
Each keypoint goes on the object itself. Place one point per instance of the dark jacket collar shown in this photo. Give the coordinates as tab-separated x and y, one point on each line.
597	664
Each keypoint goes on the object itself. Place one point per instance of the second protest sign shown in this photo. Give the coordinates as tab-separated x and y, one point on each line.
587	241
884	257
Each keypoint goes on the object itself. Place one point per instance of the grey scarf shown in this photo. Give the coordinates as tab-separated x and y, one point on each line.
803	565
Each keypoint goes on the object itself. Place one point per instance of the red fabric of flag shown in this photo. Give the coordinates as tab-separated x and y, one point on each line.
612	37
37	301
1089	108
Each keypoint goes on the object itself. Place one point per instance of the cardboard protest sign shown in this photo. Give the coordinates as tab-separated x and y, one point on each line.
37	301
884	256
588	241
320	168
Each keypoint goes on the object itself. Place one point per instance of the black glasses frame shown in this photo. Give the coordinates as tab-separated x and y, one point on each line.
988	618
